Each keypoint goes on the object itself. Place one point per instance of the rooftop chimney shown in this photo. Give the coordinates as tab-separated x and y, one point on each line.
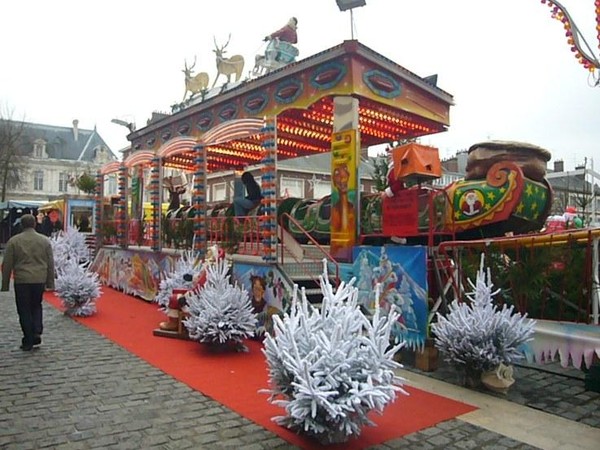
559	166
75	130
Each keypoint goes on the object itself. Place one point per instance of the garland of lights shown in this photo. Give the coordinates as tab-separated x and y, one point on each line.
155	203
121	218
98	219
199	201
558	12
268	219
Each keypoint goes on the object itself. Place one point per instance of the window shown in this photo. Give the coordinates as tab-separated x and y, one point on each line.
112	185
82	217
101	155
219	191
39	148
321	188
38	180
63	181
291	187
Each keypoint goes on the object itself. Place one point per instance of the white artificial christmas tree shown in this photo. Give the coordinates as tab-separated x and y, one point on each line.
78	288
186	266
220	313
330	367
69	245
476	336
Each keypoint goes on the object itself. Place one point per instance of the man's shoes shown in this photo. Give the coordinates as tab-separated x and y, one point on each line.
26	348
37	340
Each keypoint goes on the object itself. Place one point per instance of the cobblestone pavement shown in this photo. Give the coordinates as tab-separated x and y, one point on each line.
81	391
549	388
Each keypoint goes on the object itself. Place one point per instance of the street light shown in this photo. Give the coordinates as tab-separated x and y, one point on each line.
345	5
129	125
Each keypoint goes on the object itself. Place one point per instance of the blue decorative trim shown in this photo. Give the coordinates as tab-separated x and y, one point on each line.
260	98
288	91
328	75
382	83
205	121
228	112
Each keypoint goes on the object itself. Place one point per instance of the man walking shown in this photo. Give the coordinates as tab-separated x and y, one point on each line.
29	258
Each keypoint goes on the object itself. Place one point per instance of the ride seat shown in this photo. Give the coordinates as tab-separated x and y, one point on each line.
287	52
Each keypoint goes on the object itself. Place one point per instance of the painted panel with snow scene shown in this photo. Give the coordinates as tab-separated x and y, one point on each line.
402	275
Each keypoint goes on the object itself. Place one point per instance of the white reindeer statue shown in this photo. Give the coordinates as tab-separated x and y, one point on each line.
227	66
196	83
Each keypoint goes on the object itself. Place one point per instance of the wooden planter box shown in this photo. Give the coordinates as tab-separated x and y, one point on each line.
427	360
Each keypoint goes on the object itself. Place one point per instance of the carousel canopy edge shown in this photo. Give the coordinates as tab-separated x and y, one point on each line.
140	157
110	167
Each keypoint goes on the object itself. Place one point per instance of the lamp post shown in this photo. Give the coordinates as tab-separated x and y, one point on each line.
345	5
129	125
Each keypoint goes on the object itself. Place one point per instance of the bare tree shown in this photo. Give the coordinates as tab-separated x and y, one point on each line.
12	163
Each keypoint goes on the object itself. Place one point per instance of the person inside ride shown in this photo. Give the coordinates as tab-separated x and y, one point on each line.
246	194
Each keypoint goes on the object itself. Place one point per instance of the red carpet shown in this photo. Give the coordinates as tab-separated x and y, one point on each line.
234	379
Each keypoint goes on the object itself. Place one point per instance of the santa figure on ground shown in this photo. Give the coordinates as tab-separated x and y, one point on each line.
177	307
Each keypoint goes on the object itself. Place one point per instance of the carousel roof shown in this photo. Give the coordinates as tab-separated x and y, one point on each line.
394	104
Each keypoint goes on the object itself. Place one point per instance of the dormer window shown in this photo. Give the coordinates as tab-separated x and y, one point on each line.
39	148
100	154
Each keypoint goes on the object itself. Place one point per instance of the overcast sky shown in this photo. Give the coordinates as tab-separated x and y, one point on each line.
507	63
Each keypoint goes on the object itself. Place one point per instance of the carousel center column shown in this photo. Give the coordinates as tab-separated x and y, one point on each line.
199	201
268	217
99	217
122	225
156	203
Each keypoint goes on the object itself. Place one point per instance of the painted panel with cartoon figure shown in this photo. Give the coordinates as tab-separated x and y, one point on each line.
134	273
267	290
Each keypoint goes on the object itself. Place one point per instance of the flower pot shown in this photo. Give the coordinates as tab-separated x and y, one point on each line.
498	380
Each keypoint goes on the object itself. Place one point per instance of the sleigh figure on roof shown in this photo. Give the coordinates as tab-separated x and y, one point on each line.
280	49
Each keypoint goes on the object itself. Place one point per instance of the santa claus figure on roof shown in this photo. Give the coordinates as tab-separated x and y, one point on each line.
287	33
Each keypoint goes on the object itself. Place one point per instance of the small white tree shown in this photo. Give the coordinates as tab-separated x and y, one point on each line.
69	245
331	366
477	336
78	288
220	313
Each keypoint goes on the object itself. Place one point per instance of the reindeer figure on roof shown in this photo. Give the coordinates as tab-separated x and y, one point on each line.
227	66
194	83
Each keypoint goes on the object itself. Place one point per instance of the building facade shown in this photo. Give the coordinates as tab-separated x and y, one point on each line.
579	188
54	157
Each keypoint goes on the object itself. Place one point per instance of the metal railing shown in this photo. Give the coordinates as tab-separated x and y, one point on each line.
549	276
323	253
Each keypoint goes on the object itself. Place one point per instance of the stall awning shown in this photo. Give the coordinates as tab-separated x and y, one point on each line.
56	204
31	204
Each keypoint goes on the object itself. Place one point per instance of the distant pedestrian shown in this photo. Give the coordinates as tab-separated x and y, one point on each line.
84	225
46	226
28	257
